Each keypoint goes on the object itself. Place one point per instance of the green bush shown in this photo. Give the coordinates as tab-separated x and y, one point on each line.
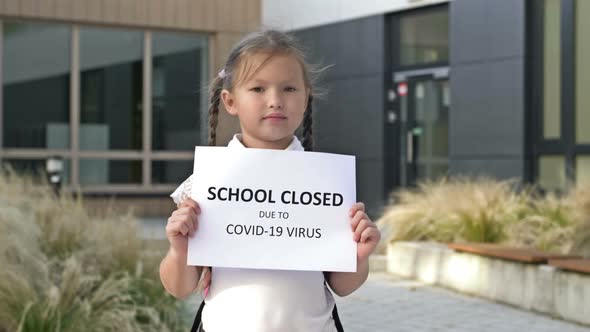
65	270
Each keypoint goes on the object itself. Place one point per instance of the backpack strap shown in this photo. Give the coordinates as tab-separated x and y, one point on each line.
336	319
335	316
197	323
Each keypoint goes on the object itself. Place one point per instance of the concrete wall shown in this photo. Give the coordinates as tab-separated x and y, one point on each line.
348	119
539	288
487	58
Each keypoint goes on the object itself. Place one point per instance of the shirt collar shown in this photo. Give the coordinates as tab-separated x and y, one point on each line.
236	142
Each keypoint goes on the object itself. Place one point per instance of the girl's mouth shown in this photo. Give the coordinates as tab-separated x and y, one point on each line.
274	116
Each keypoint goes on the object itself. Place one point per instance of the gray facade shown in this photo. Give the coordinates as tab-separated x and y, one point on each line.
348	118
487	122
487	59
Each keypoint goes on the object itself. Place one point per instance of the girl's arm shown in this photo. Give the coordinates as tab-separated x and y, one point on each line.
345	283
178	278
367	236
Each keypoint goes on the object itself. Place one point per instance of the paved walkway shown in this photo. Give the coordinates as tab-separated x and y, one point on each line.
387	303
390	304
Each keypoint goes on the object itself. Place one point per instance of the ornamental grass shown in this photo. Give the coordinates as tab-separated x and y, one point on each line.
485	210
66	270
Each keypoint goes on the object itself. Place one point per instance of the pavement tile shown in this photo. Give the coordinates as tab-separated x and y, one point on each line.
386	303
396	304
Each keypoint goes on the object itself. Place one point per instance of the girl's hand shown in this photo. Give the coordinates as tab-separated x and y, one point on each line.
181	225
365	232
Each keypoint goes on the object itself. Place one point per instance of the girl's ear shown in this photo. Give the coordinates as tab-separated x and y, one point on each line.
229	102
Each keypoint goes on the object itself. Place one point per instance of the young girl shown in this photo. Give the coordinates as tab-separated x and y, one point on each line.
267	84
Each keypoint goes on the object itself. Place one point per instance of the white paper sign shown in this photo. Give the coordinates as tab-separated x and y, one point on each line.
271	209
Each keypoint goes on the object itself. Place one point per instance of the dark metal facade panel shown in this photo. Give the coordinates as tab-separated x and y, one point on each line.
487	112
483	30
488	95
370	185
349	117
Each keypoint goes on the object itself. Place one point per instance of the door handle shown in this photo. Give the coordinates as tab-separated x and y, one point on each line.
410	146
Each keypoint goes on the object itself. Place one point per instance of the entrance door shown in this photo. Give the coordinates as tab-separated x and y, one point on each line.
424	128
426	145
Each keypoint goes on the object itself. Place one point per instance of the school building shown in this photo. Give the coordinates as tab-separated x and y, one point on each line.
418	88
424	88
115	89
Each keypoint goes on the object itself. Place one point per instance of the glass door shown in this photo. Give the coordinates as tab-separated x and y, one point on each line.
424	128
416	96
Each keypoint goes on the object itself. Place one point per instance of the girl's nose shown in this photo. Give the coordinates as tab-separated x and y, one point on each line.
275	100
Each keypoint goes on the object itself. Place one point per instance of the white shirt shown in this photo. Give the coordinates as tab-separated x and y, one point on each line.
260	300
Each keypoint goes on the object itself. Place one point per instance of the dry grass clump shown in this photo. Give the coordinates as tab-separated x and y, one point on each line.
548	224
580	200
453	210
65	270
485	210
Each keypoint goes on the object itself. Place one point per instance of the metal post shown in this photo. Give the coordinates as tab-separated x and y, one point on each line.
147	109
75	106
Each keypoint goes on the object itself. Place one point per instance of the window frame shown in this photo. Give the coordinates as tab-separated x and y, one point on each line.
566	144
73	154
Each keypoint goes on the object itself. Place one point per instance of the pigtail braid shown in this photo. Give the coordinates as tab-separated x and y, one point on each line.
308	125
215	99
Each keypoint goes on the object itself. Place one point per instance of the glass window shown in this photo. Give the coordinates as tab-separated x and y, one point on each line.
582	72
552	172
171	171
583	170
179	90
432	117
102	171
430	129
424	38
111	81
552	70
36	85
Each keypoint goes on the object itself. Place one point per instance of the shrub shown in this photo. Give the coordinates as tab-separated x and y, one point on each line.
66	270
580	200
453	210
485	210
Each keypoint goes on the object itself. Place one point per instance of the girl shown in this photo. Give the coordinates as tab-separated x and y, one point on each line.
267	84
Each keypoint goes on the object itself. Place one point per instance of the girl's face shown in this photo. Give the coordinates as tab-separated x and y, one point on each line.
271	103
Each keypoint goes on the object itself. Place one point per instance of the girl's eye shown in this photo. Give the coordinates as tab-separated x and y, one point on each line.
290	89
257	89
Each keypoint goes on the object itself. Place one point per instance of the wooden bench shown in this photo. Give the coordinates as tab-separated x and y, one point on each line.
523	255
575	265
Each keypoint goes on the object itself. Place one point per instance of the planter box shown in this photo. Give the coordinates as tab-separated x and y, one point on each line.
535	287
